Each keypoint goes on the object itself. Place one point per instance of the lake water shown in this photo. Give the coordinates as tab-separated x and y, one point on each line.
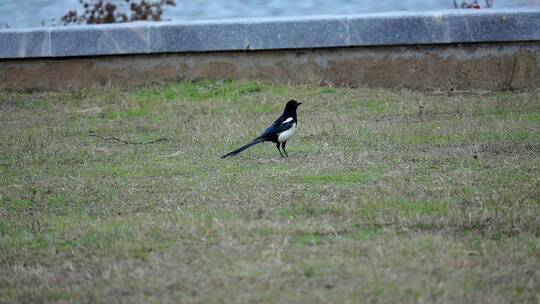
33	13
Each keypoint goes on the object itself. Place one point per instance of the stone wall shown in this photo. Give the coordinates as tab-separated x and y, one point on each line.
489	49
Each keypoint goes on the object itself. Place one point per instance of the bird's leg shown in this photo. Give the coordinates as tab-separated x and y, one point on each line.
277	146
283	148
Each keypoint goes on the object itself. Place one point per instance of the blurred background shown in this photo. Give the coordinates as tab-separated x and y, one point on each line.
35	13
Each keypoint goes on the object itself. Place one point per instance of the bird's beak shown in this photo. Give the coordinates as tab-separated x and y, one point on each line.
299	103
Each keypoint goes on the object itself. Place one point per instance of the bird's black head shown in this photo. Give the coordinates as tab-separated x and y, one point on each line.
292	105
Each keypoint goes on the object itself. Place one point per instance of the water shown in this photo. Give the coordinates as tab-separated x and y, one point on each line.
34	13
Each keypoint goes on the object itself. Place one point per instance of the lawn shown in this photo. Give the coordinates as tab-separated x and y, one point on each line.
387	196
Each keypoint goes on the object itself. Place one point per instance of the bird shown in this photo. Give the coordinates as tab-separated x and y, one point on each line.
279	132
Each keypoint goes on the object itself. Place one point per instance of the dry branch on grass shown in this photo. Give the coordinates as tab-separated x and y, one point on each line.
129	142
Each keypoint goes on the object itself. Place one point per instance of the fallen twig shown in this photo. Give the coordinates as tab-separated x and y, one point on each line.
129	142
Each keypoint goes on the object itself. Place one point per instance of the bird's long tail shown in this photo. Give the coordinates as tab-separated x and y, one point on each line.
242	148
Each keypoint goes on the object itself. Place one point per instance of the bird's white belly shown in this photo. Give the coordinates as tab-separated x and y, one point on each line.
285	135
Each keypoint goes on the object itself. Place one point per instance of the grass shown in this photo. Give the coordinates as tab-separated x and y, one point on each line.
387	196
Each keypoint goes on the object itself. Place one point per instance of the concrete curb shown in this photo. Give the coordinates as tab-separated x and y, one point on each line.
439	27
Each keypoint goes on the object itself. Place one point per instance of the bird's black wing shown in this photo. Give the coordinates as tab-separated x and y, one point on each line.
280	125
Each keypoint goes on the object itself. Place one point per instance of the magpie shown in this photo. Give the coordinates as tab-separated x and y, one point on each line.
279	132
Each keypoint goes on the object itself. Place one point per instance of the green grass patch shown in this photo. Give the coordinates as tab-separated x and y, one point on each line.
387	196
342	177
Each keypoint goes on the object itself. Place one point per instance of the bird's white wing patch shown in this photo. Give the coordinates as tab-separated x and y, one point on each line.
287	120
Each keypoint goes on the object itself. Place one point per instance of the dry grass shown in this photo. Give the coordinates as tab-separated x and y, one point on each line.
387	196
